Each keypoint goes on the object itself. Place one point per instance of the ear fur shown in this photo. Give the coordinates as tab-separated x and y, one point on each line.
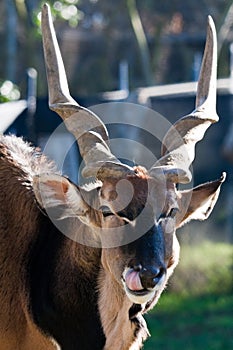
198	203
58	196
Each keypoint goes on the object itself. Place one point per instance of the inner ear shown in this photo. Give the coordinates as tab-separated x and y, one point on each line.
60	187
198	203
58	195
50	187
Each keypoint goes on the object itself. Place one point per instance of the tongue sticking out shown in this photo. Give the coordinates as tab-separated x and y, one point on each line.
133	281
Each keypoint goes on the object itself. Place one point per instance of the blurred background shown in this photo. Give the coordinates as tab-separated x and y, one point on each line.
148	53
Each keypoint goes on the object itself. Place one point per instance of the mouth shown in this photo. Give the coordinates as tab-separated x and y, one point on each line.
134	289
142	296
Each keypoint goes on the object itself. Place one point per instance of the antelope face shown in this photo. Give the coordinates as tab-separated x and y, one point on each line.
147	250
140	215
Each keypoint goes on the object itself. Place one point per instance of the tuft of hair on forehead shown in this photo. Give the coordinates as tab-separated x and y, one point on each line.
141	172
140	184
139	181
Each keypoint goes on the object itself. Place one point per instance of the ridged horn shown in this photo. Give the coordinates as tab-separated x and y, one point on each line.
178	146
89	131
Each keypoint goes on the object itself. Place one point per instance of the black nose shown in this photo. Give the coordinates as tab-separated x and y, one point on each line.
150	276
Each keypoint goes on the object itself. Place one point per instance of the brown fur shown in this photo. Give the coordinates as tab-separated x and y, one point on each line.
121	333
82	276
17	203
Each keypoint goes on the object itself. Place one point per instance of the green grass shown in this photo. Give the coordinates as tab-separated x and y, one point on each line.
194	323
196	312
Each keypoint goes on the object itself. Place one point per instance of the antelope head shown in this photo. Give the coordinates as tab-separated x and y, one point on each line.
133	212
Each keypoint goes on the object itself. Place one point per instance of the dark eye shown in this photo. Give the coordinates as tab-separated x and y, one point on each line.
173	212
106	211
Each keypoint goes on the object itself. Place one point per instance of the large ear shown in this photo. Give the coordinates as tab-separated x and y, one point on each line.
198	203
59	197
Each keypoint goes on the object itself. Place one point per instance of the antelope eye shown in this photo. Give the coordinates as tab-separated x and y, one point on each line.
173	212
105	211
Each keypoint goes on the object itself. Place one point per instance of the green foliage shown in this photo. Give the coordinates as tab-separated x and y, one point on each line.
64	9
170	40
204	268
197	310
8	91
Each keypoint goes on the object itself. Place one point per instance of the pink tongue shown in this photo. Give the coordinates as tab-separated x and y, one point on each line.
133	281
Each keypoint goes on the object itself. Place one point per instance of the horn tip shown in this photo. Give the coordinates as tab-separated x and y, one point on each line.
210	23
46	10
45	6
223	177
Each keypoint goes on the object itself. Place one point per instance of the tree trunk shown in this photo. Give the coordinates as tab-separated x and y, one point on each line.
11	40
141	40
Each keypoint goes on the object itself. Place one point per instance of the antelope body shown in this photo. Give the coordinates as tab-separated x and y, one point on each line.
89	288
